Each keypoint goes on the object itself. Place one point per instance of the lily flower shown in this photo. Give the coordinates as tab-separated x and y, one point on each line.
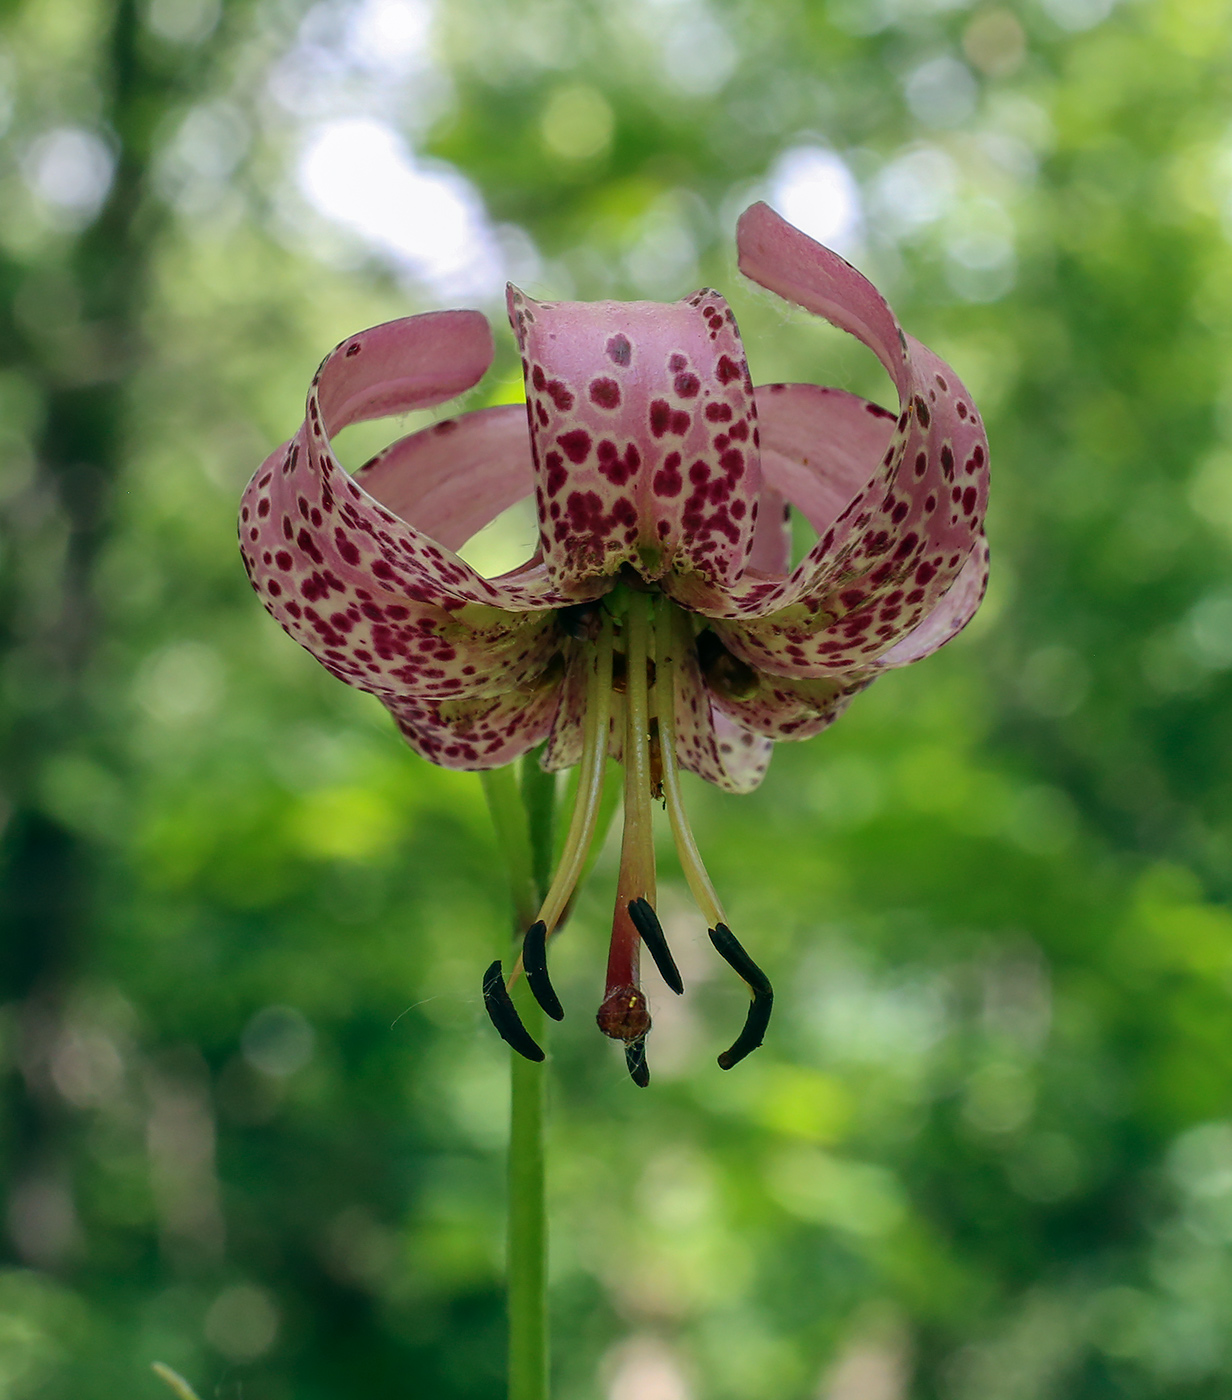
659	621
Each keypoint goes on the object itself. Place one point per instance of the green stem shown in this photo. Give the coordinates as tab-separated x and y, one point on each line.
528	1224
524	814
528	1217
539	799
500	787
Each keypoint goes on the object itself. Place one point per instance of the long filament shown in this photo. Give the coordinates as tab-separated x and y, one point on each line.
671	640
590	777
588	799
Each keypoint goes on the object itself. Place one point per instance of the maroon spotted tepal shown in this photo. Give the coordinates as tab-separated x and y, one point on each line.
659	619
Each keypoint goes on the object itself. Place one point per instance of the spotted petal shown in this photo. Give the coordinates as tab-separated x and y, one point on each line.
897	546
948	618
378	602
452	479
710	743
564	746
477	731
644	430
782	707
820	447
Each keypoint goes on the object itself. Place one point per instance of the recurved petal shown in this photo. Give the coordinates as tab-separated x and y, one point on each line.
820	450
645	432
477	731
415	362
949	617
743	756
781	707
820	446
381	604
709	743
388	636
772	536
892	552
564	746
452	479
780	258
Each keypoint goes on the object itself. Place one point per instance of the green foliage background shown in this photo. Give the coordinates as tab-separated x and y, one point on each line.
253	1114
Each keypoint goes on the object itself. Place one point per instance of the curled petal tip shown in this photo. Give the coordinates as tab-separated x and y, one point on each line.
786	261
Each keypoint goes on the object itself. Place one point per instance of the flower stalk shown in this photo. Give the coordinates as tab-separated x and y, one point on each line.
527	1228
524	816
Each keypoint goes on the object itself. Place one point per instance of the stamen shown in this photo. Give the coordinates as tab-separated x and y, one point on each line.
670	640
504	1015
635	1058
624	1015
755	1023
646	921
590	778
535	963
586	808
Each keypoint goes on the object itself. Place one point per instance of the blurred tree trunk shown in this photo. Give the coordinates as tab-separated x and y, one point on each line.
72	322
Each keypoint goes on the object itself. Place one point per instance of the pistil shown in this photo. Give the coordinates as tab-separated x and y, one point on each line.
624	1014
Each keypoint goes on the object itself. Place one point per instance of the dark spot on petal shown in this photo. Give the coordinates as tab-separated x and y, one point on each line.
605	393
576	444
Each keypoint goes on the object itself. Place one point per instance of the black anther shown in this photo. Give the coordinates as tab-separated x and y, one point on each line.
646	921
535	965
505	1016
635	1058
755	1023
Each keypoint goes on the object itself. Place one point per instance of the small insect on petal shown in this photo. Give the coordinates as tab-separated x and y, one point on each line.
535	965
646	921
505	1017
755	1023
635	1058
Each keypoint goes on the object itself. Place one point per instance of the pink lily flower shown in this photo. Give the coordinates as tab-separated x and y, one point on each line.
659	620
